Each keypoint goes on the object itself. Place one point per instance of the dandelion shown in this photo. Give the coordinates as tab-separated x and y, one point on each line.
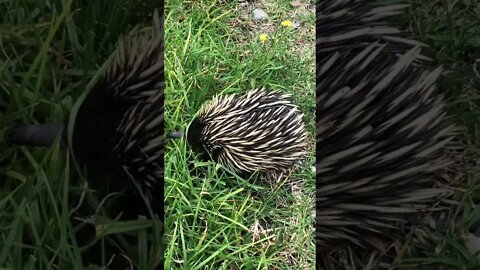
287	23
263	38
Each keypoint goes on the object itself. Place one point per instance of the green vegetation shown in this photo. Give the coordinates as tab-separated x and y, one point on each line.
214	220
49	50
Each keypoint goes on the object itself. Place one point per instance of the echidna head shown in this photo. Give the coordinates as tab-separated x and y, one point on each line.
198	143
193	135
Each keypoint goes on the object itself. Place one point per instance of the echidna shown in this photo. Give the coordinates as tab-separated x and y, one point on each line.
350	24
125	139
261	131
115	136
381	126
115	130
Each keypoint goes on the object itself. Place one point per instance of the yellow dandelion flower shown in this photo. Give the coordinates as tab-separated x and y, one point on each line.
263	38
287	23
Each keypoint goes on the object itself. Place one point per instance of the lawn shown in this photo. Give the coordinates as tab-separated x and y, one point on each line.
49	51
214	220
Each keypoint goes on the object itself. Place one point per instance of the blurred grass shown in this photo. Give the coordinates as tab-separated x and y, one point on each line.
49	50
214	220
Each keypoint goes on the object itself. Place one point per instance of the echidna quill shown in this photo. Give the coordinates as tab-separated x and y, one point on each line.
115	130
381	127
350	24
260	132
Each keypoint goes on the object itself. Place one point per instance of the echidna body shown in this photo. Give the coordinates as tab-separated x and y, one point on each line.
378	140
118	129
261	131
381	127
349	24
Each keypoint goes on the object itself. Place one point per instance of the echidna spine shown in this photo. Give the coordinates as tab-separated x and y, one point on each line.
259	131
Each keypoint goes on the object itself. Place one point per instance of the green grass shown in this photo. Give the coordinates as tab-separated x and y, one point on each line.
215	220
49	50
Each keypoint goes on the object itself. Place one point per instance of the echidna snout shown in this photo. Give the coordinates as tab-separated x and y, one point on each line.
260	131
